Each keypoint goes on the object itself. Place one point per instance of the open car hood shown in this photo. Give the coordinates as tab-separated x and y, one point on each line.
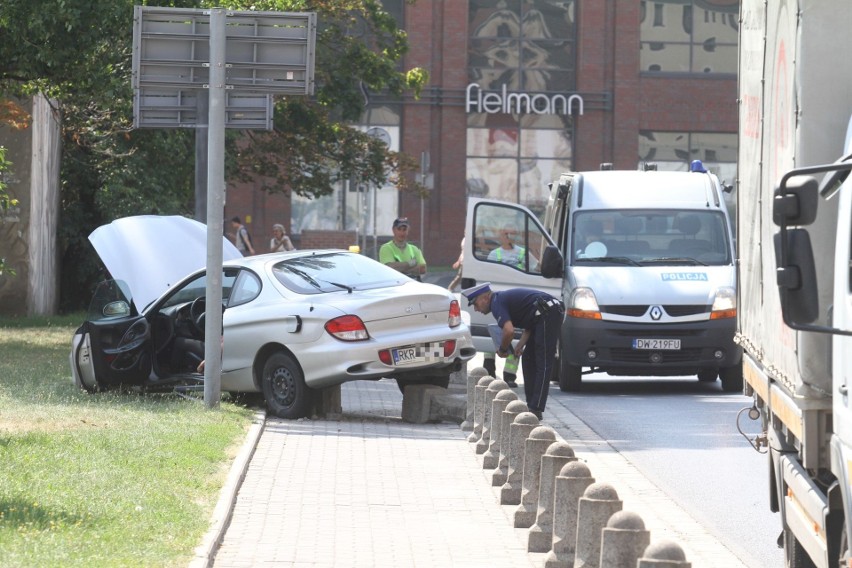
152	252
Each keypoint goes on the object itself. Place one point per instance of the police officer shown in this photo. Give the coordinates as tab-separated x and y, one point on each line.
540	316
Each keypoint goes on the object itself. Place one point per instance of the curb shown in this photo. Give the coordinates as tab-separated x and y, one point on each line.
224	509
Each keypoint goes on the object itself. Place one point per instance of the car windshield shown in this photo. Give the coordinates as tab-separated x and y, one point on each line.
646	237
325	272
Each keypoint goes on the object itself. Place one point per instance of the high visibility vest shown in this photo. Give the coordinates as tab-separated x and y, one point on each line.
521	254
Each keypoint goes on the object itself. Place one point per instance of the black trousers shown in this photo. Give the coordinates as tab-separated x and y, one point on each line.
539	358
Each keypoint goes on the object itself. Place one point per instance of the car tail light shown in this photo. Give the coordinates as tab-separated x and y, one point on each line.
347	328
455	314
449	346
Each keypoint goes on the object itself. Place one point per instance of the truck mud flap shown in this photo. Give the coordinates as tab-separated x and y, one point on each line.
805	510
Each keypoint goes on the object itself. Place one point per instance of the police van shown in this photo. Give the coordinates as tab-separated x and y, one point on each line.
647	271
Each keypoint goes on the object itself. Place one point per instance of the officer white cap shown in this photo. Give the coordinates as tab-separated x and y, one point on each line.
474	291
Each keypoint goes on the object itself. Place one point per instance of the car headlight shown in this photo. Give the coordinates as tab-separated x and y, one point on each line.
583	304
724	304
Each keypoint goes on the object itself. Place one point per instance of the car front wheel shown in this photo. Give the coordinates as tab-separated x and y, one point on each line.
287	395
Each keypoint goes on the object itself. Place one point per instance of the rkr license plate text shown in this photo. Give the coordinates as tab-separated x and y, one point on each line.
406	356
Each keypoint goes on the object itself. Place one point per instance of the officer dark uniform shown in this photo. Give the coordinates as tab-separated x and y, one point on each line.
540	316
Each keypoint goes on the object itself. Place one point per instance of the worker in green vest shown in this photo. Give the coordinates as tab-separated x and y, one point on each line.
400	254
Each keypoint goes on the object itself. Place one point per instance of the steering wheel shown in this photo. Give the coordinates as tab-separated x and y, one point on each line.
196	313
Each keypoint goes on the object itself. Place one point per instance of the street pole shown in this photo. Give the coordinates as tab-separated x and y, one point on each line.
215	207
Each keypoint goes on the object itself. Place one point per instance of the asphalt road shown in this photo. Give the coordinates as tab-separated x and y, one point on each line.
682	435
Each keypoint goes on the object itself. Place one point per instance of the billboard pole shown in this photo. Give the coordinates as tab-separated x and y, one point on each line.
215	208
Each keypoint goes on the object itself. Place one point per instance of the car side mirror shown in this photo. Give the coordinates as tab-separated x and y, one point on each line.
552	263
116	309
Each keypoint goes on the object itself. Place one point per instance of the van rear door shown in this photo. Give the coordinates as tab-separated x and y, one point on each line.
504	244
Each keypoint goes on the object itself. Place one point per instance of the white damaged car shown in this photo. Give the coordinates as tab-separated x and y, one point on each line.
293	322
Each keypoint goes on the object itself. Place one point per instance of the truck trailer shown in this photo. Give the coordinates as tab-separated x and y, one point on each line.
794	270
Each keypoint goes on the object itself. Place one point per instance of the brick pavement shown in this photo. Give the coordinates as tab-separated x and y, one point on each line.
370	490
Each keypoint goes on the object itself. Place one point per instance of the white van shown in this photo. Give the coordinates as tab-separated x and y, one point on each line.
648	276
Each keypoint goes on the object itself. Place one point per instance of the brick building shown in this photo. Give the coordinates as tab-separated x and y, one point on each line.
519	91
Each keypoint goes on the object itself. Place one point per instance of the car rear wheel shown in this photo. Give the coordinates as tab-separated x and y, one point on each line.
284	388
707	375
732	378
570	377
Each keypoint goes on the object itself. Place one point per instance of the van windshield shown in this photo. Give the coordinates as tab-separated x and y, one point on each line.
652	236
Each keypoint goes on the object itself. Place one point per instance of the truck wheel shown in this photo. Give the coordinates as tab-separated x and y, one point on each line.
287	395
570	377
732	378
707	375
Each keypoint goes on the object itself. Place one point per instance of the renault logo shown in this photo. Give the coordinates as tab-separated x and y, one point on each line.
656	313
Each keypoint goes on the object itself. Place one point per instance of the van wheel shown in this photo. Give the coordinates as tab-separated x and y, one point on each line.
570	377
732	378
287	395
707	375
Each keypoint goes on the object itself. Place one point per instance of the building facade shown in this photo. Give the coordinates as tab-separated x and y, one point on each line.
520	91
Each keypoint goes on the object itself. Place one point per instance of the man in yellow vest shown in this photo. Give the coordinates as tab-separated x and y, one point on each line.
400	254
508	252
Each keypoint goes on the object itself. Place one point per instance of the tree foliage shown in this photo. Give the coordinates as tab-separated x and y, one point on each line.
78	53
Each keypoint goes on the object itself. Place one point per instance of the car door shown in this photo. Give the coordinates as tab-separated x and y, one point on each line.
487	223
113	346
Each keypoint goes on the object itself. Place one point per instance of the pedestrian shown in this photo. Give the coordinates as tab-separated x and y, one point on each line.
242	238
508	252
458	266
400	254
539	315
280	242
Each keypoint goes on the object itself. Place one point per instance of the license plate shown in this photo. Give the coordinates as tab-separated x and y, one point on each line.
660	344
406	356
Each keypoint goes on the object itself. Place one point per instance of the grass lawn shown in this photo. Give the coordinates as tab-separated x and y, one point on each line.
107	479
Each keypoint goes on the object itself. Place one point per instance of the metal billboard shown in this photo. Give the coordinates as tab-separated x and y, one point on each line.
265	52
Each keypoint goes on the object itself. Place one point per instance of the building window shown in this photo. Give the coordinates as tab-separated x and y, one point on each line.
674	151
526	46
689	36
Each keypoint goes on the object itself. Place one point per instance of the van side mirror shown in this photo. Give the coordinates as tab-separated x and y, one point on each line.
552	263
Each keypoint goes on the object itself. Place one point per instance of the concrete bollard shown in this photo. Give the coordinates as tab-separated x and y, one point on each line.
524	423
478	407
501	401
599	502
512	410
663	554
473	377
571	483
534	448
623	540
541	534
491	391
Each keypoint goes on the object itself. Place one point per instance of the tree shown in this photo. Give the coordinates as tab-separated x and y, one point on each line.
78	52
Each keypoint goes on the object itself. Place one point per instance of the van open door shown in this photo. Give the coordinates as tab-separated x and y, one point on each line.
505	244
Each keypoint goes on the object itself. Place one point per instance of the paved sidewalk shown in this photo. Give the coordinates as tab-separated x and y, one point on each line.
371	490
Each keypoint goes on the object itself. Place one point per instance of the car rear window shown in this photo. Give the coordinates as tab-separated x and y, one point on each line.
324	272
